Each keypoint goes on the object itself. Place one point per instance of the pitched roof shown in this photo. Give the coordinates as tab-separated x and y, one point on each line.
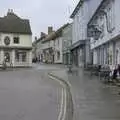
76	8
55	34
14	24
97	10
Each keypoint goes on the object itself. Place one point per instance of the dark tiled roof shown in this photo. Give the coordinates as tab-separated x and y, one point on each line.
55	34
14	24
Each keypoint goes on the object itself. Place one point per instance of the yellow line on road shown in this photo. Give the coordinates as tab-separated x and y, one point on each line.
63	105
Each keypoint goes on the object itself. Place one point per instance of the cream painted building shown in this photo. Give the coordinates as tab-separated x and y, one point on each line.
51	46
15	40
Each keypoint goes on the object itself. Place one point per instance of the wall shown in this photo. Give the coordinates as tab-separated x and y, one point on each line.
118	49
80	23
82	18
67	37
115	33
25	40
59	47
95	57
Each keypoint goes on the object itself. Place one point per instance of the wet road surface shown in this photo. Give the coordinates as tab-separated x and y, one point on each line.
93	100
28	95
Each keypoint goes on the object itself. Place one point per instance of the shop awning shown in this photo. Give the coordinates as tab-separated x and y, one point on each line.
77	44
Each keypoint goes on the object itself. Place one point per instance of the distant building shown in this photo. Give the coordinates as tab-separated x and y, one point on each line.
61	39
15	40
49	49
47	46
38	48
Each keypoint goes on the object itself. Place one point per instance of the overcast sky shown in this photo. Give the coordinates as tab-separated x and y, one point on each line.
42	13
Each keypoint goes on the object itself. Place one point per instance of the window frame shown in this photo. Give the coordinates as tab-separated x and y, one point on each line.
16	38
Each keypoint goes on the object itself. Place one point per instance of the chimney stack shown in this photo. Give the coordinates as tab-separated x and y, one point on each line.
35	38
42	34
9	11
50	29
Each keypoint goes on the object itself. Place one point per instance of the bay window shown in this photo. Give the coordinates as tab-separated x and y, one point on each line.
20	56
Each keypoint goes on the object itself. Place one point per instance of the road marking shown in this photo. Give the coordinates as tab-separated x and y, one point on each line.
53	78
63	105
57	79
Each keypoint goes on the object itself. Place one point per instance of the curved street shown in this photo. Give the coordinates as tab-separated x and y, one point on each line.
28	94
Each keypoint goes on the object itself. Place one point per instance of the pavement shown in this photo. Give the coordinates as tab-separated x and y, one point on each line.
92	99
28	94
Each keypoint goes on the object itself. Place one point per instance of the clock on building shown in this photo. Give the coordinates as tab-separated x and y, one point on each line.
7	40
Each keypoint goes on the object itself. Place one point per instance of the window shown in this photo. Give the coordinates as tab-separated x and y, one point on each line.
16	40
20	56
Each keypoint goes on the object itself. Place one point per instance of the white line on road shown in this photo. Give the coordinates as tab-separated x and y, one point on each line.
53	78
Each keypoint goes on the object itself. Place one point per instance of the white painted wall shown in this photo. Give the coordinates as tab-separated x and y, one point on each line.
80	24
59	47
25	40
95	57
82	18
109	36
67	37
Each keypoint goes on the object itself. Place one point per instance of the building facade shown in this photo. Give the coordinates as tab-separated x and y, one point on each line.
49	48
53	46
81	43
15	41
103	29
67	42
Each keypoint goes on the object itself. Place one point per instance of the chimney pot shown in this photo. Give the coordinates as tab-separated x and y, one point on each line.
50	29
42	34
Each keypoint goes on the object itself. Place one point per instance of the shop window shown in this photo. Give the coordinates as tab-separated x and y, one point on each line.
7	56
20	56
16	40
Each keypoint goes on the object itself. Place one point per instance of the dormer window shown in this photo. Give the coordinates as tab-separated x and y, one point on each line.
16	40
